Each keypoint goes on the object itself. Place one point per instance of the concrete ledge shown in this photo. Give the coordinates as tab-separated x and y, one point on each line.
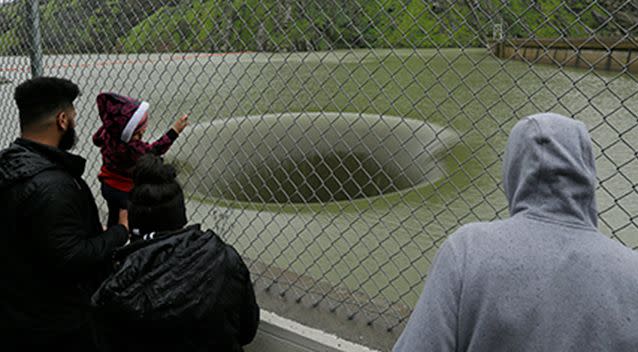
610	54
279	334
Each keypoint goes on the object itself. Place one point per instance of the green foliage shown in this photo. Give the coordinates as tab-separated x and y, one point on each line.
550	19
85	26
12	30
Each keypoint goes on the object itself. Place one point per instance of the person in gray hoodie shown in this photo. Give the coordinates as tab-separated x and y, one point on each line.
543	280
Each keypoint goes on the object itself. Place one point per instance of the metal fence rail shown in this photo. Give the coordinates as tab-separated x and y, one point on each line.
337	143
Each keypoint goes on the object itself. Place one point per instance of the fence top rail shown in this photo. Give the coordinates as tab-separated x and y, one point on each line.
604	43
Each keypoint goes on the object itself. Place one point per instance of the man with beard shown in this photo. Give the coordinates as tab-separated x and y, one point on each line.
53	249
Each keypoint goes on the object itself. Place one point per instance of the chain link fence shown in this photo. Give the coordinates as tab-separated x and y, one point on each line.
337	143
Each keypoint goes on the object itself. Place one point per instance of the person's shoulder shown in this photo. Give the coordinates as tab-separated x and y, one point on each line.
18	162
215	247
211	242
612	250
473	229
235	262
57	181
475	234
234	258
55	175
203	240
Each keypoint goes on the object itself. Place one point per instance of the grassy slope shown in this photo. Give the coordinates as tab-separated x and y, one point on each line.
286	25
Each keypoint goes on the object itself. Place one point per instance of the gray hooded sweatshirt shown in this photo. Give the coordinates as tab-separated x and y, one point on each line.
543	280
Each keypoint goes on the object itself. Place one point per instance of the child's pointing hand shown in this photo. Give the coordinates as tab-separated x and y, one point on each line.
181	124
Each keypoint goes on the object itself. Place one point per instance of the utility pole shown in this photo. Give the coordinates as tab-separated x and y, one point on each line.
35	37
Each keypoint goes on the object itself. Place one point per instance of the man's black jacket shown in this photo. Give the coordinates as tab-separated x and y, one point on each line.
53	250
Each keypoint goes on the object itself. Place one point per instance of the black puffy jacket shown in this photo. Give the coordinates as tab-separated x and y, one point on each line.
180	291
53	250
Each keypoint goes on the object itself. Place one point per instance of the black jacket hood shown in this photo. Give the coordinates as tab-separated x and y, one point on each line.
25	159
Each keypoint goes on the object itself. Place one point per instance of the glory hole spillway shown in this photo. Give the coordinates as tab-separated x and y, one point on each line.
306	158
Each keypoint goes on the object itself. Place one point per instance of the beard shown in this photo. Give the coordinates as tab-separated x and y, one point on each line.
68	140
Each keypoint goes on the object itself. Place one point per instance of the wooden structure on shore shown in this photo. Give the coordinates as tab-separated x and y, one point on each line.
612	54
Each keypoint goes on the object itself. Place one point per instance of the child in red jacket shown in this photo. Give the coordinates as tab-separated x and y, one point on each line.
124	121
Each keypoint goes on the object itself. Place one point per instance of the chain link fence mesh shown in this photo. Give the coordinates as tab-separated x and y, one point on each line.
337	143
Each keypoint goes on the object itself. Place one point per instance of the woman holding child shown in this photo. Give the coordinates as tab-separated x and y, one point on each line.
174	287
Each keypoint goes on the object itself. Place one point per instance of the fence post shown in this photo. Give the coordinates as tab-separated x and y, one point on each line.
35	37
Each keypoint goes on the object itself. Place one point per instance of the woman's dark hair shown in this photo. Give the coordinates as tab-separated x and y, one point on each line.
156	203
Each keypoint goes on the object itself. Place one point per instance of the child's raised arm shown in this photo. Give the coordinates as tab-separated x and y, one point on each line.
162	145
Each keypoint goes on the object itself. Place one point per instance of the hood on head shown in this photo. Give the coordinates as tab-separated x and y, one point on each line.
549	169
120	115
